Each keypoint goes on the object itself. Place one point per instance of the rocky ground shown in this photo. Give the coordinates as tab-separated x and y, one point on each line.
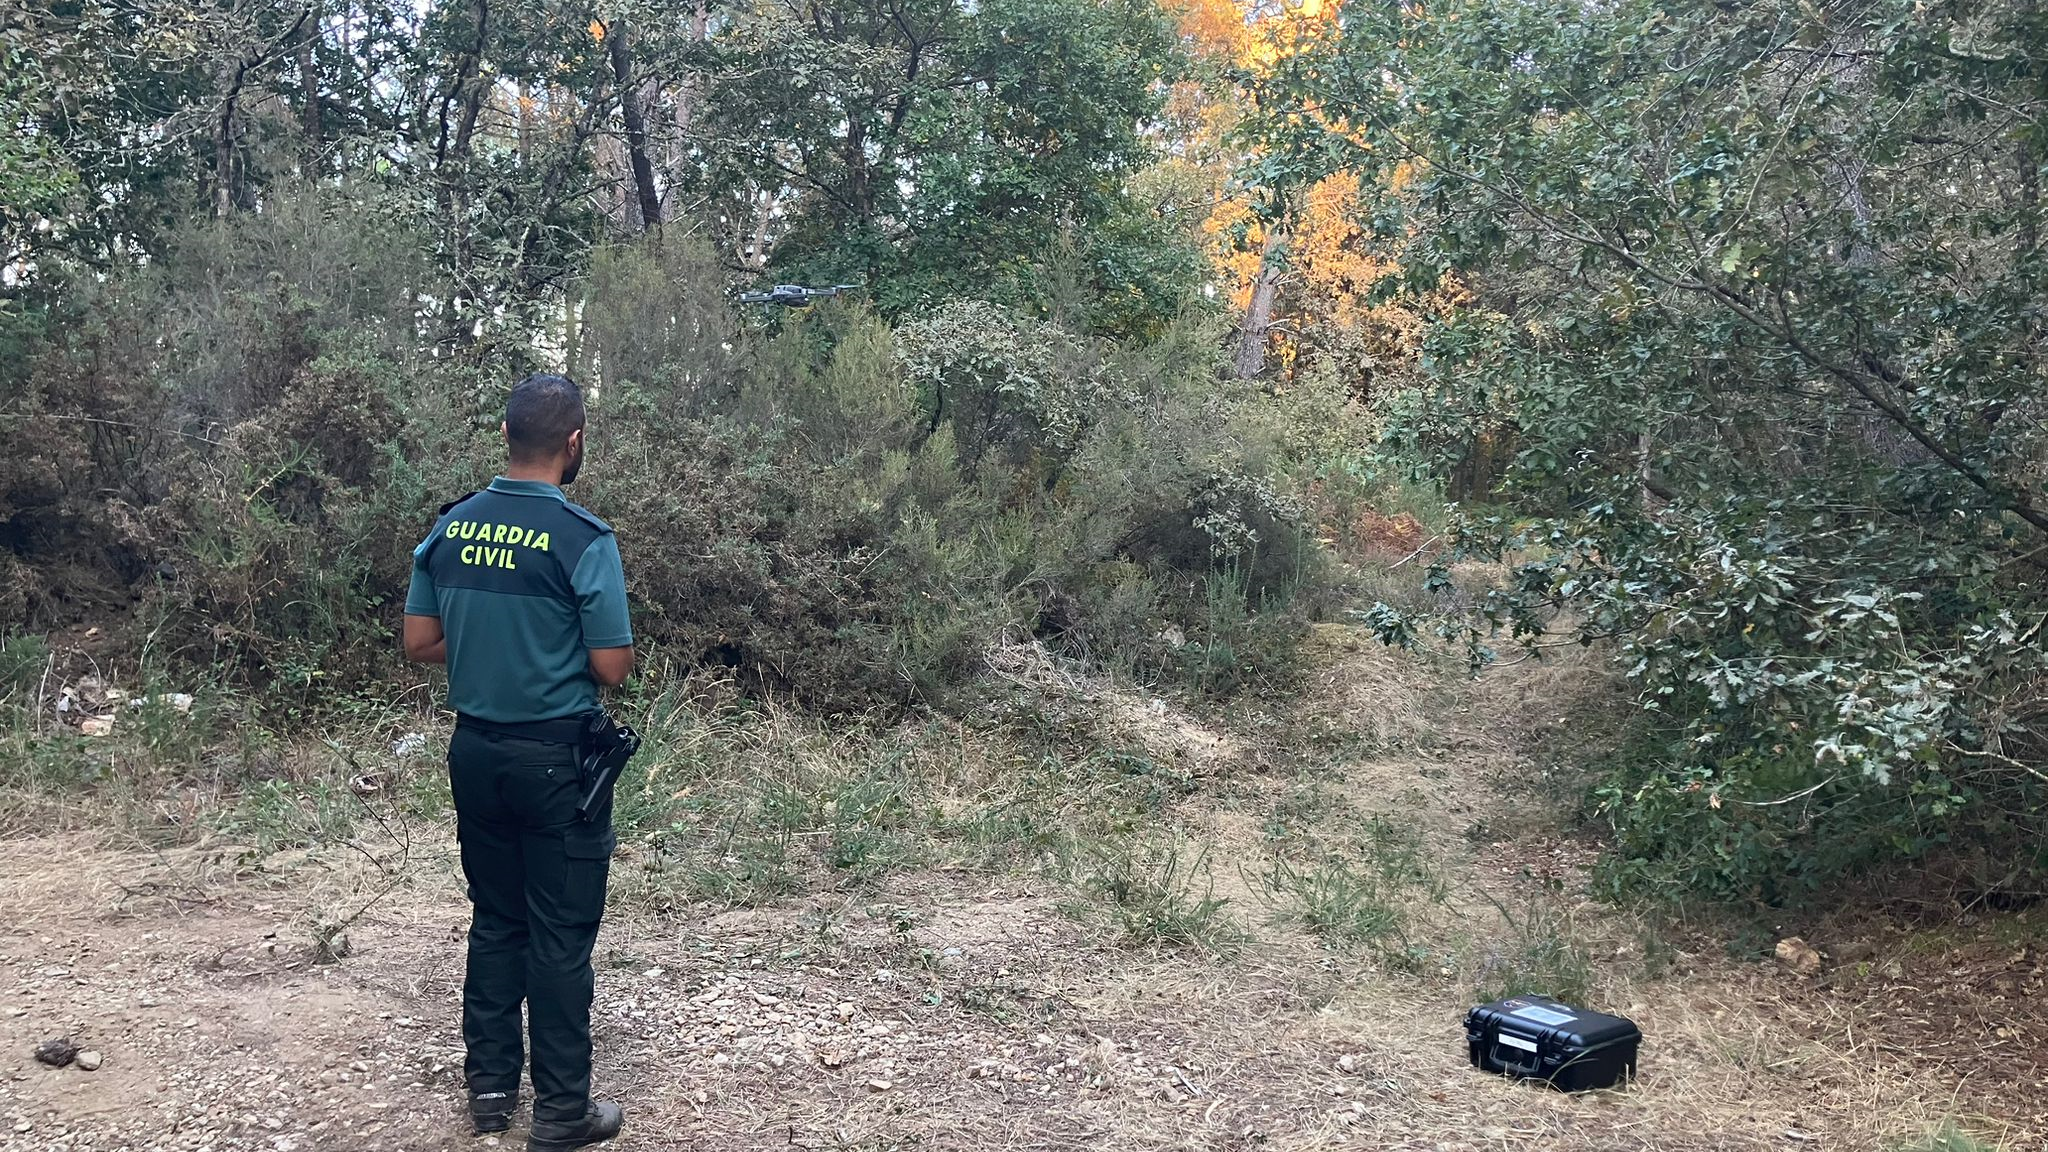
953	1010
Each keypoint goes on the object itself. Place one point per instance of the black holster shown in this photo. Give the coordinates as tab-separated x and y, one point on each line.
606	746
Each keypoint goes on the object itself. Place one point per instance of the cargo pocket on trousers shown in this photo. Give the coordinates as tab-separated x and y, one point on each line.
587	849
589	842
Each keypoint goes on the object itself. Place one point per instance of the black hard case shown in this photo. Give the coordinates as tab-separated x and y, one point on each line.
1531	1037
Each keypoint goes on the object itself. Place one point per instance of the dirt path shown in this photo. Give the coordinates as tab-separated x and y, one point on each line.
948	1010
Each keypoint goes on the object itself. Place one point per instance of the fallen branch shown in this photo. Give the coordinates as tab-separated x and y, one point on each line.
1801	794
128	424
152	888
1419	551
326	935
2002	758
42	686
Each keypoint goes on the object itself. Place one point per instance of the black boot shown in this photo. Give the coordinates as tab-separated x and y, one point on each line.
492	1111
600	1122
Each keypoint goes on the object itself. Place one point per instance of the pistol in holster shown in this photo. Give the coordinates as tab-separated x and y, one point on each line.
607	744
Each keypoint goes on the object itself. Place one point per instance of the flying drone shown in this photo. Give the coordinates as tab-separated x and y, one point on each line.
794	295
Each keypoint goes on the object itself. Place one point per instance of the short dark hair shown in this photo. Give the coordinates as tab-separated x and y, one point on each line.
540	413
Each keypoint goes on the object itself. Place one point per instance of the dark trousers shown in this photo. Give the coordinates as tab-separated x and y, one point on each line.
536	882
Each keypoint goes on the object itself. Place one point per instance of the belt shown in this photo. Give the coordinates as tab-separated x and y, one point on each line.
567	730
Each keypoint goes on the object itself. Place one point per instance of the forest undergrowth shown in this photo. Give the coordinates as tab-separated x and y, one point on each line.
1377	842
1315	513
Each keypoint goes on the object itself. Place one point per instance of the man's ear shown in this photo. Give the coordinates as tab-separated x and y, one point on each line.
505	430
576	442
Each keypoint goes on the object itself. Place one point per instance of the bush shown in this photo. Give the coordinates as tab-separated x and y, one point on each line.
1027	391
1793	477
226	438
1538	955
1155	896
834	513
22	661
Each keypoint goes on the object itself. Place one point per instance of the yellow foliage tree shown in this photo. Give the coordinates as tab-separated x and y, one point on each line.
1297	264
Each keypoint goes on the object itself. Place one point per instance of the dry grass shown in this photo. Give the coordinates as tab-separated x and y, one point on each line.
1011	1023
1365	694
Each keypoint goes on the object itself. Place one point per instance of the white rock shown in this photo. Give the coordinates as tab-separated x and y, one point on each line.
89	1060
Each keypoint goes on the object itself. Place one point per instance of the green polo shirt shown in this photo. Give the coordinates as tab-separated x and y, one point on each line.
525	584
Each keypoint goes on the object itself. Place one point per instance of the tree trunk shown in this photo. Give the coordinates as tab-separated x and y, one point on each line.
451	171
574	345
525	124
855	156
2028	157
676	158
622	199
224	127
636	127
1258	315
229	185
2029	164
224	164
756	255
309	85
1860	253
686	102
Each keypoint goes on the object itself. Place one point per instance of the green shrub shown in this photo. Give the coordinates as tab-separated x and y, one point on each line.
1357	887
874	827
1338	903
833	513
1026	391
1949	1137
36	768
1158	896
1794	477
23	662
1539	954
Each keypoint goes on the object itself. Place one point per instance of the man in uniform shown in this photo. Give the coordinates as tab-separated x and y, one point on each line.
521	594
